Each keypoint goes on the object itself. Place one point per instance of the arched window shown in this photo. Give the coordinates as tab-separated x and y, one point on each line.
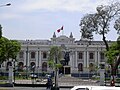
80	67
20	66
91	67
32	65
44	66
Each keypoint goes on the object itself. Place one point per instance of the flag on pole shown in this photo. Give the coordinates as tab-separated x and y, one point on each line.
60	29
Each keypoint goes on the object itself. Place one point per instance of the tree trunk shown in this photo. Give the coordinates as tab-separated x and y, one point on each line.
116	64
106	44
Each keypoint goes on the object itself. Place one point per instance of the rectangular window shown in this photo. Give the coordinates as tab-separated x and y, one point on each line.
91	55
101	55
44	55
21	54
32	54
80	55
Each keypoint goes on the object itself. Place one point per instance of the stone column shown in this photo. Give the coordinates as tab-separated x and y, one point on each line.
40	61
84	64
71	59
73	62
10	74
24	58
28	58
36	58
87	58
96	58
76	59
102	77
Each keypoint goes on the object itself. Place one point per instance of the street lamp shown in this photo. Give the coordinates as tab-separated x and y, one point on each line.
8	4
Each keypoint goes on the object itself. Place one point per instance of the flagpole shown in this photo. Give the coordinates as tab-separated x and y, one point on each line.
62	32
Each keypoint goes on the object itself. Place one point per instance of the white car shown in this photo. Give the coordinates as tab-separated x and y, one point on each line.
81	88
94	88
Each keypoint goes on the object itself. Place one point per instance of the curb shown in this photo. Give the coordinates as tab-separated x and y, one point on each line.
6	85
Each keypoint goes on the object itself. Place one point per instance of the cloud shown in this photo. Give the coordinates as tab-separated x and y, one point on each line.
65	5
18	9
8	15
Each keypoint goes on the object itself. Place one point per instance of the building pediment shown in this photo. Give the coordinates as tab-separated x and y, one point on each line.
62	40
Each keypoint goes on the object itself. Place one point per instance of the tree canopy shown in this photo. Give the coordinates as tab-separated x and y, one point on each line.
113	52
8	48
100	21
106	16
54	57
0	31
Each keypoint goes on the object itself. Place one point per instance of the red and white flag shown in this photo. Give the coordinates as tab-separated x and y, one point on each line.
60	29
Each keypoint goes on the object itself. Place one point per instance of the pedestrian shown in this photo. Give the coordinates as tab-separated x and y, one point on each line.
49	84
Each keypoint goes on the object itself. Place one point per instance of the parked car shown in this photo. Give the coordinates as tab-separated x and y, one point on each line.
94	88
81	88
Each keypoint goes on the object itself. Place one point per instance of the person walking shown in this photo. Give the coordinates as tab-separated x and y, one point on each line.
49	84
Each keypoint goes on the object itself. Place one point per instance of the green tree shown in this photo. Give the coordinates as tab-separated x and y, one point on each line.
86	26
117	25
15	47
8	48
4	42
54	61
100	22
113	55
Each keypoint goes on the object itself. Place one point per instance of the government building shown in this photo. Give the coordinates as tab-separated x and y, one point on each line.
85	56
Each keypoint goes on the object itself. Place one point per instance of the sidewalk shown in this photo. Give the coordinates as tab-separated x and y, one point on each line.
62	81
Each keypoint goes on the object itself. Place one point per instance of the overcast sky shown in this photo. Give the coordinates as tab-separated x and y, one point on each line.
39	19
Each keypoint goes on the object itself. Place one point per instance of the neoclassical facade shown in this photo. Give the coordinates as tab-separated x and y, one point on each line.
85	56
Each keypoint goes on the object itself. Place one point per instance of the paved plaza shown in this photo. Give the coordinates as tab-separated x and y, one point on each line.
63	81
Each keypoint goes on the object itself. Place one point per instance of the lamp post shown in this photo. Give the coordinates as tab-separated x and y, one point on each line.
8	4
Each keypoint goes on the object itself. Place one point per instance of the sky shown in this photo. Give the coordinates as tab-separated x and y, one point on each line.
39	19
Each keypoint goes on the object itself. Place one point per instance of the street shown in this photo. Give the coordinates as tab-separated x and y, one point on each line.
29	88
